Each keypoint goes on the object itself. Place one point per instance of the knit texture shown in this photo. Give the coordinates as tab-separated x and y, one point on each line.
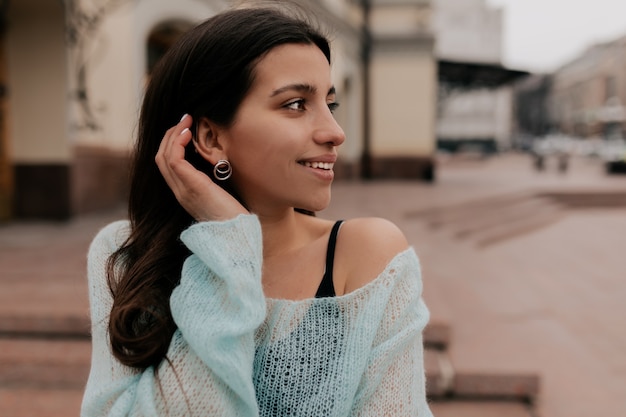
236	353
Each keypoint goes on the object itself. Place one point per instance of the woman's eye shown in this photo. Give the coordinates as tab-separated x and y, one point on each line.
296	105
333	106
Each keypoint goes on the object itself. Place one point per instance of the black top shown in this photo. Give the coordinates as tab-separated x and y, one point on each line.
326	288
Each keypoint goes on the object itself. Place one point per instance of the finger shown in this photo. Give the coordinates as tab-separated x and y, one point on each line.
170	136
182	126
178	144
169	153
161	156
175	153
173	133
163	145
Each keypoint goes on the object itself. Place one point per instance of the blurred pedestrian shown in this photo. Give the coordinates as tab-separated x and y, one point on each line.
563	161
223	295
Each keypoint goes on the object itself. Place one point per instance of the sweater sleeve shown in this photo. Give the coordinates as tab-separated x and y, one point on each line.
393	383
217	306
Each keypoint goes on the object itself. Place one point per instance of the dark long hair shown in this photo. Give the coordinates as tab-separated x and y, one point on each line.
207	73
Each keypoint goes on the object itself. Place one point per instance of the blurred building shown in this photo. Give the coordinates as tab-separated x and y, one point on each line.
475	97
531	111
589	93
401	79
74	71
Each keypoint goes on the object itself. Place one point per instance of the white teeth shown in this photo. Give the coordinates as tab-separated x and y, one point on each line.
319	165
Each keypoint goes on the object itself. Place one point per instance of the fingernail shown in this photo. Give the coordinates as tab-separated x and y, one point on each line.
185	130
184	117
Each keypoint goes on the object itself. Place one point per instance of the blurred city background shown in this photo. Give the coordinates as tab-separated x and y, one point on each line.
491	131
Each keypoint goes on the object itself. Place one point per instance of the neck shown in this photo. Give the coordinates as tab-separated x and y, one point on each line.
281	232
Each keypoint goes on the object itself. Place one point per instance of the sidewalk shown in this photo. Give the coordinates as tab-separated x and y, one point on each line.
544	300
543	296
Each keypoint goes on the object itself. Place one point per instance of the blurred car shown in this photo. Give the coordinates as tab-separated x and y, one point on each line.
614	156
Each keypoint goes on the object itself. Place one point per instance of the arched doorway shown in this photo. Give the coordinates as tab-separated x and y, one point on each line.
6	176
161	38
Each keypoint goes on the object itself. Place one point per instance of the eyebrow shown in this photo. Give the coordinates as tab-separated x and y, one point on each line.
303	88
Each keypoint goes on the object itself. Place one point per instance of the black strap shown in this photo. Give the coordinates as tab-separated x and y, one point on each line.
327	288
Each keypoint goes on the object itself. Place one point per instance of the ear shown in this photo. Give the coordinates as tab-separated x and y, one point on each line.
210	140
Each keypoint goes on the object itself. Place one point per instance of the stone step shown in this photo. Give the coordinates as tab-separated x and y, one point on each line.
40	402
489	219
507	230
436	334
50	402
38	364
492	220
588	199
445	381
438	217
44	363
47	378
469	408
50	326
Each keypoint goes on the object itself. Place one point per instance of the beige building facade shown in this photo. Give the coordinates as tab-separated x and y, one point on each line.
74	74
35	104
402	82
588	94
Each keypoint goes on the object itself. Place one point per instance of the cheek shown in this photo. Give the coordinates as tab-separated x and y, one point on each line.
257	160
262	143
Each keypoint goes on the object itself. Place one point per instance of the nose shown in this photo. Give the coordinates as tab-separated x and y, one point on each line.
328	131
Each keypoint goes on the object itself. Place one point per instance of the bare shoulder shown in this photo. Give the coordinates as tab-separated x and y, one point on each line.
365	247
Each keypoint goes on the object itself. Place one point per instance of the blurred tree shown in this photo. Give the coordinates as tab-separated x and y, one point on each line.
84	19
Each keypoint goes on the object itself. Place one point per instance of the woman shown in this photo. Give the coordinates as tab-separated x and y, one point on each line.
223	295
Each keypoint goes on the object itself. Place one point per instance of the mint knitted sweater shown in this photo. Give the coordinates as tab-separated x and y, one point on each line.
237	353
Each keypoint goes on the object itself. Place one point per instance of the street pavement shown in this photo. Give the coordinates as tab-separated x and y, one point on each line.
546	298
522	269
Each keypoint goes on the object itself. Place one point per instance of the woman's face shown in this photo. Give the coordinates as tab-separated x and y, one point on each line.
283	142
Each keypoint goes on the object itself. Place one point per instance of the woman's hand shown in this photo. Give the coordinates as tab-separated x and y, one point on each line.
194	190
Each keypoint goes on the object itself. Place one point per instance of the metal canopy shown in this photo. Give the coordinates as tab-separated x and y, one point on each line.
469	75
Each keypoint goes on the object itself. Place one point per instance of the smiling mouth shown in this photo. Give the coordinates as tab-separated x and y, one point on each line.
318	165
